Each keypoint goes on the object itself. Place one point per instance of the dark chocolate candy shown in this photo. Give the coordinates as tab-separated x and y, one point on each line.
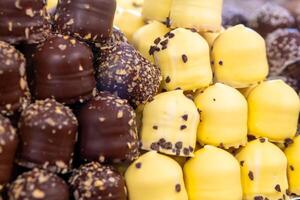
108	131
90	20
48	132
8	147
23	21
14	92
122	70
271	17
38	184
232	16
63	69
116	37
94	181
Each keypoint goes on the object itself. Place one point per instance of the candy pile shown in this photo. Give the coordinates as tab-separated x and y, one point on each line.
148	100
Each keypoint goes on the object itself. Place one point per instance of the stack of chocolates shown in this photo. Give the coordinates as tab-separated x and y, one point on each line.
148	100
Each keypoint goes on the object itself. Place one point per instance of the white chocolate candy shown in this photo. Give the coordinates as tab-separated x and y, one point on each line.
158	10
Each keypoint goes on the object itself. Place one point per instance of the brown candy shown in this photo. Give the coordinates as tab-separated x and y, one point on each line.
108	131
14	92
48	133
122	70
23	21
232	16
64	70
8	147
90	20
38	184
94	181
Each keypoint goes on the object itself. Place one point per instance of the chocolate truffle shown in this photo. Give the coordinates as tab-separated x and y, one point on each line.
116	36
48	132
8	147
23	21
232	16
94	181
64	70
38	184
122	70
14	92
270	17
90	20
108	130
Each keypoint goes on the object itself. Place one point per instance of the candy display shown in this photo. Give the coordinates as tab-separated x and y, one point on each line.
232	16
273	111
210	37
206	179
155	176
159	10
263	170
215	128
234	65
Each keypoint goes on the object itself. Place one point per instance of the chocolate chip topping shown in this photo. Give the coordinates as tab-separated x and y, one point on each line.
184	58
250	175
177	187
277	188
262	140
138	165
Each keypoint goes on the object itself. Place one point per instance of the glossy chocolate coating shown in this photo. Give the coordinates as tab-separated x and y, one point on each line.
63	69
38	184
122	70
94	181
23	21
14	92
48	132
108	131
8	148
90	20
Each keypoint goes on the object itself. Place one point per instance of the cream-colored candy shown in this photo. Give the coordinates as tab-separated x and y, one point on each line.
170	124
223	114
210	37
155	177
213	174
145	37
51	4
264	171
202	15
156	10
130	4
239	56
184	60
273	111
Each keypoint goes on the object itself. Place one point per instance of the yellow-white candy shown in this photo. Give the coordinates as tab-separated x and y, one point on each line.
184	60
170	124
156	10
239	56
292	154
213	174
128	21
51	4
223	114
246	91
273	111
155	177
130	4
264	171
202	15
144	37
210	37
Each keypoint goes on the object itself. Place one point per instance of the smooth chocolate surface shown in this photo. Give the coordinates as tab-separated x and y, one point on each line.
63	69
48	132
90	20
23	21
94	181
38	184
108	131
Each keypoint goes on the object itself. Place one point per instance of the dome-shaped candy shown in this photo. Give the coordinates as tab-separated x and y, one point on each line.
157	10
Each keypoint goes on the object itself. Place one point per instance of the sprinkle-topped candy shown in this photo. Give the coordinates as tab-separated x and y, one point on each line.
14	92
23	21
122	70
38	184
64	70
94	181
156	10
48	132
107	120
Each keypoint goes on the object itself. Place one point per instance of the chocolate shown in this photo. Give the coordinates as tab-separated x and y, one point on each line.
64	70
23	21
38	184
108	130
116	37
122	70
8	148
270	17
94	181
232	16
14	92
89	20
48	132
